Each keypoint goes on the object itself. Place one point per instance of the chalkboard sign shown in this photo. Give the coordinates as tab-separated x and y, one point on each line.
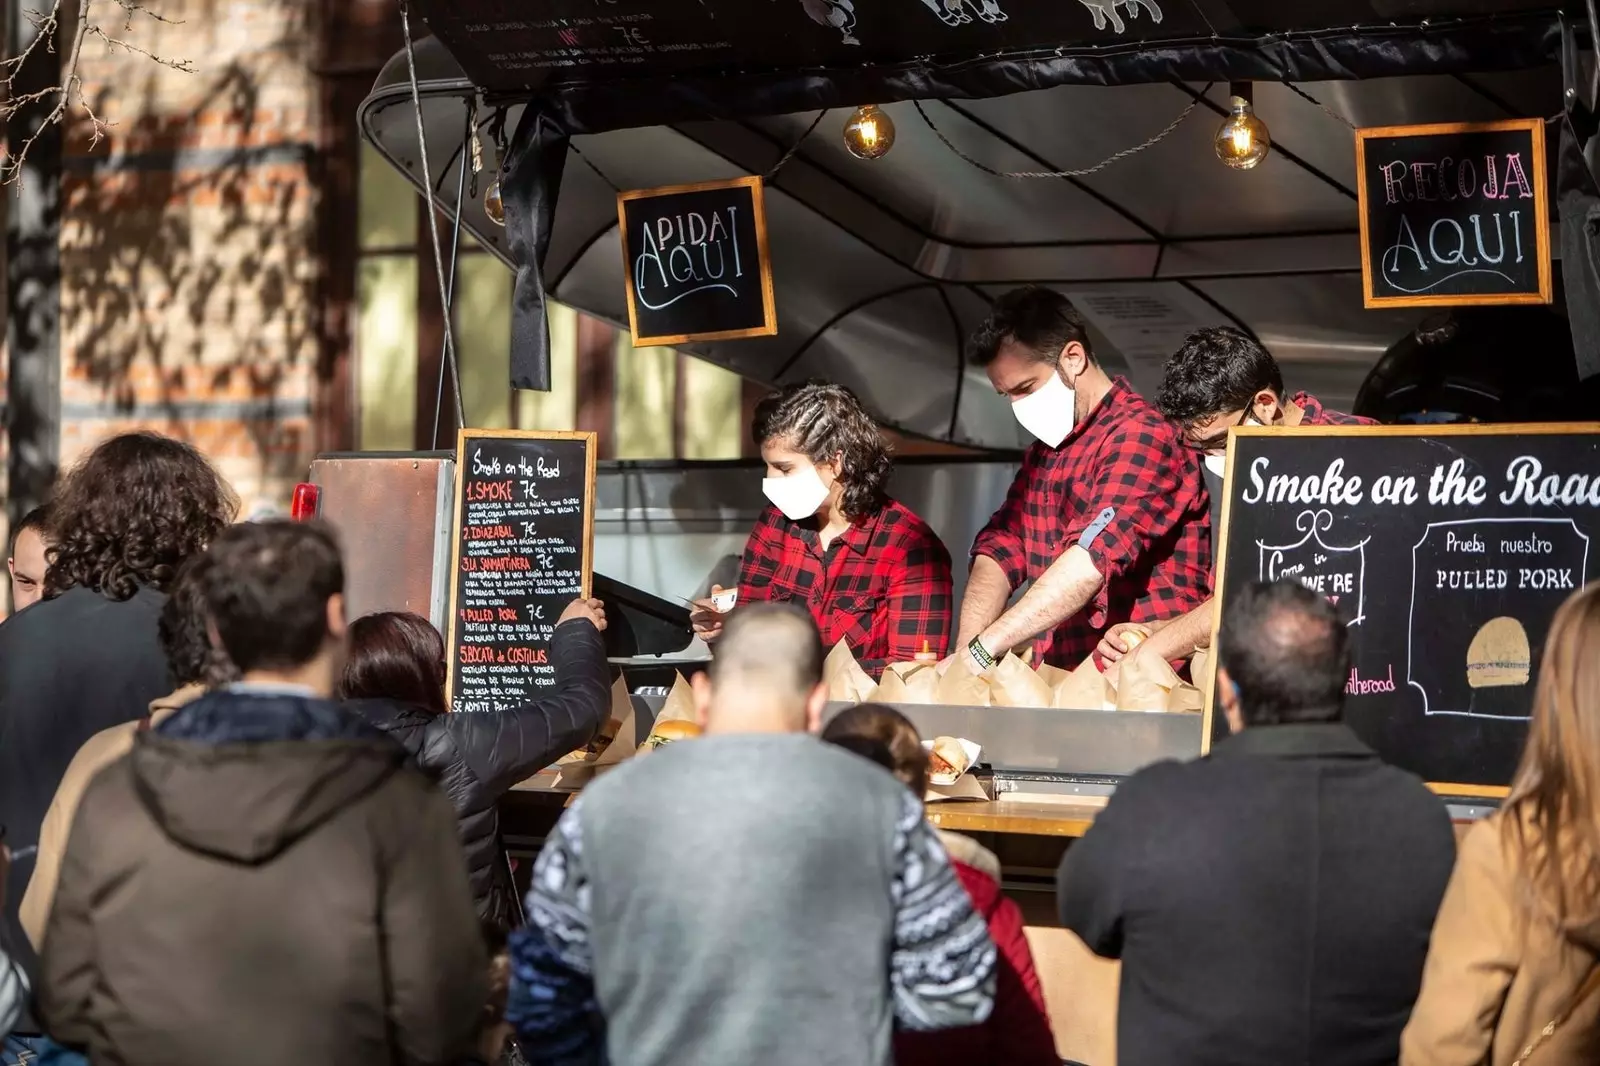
695	257
1454	214
1447	550
524	535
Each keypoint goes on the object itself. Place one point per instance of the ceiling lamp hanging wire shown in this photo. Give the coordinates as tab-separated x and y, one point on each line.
1081	172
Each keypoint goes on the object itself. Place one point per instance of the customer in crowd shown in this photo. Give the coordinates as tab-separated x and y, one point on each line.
89	656
832	539
196	665
1270	903
752	896
1513	962
264	880
394	677
1018	1032
27	562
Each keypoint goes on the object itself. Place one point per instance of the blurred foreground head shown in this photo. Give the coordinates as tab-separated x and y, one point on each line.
131	512
1284	657
766	675
274	592
878	732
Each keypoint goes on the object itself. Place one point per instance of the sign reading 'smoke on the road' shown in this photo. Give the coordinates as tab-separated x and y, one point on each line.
1454	214
695	258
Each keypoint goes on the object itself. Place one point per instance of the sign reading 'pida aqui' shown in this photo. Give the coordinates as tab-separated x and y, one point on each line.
524	536
1454	214
696	263
1446	550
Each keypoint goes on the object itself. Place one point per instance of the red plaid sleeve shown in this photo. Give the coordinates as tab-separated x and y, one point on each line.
763	554
1145	484
1001	539
920	599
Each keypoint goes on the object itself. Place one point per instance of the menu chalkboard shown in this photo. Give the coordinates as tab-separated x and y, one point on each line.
524	535
695	260
1454	214
1446	549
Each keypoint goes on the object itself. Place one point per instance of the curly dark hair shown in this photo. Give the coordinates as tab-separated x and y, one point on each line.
185	631
131	512
1041	320
825	422
1217	369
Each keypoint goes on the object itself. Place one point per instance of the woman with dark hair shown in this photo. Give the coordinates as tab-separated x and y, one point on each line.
1513	971
394	678
89	655
870	571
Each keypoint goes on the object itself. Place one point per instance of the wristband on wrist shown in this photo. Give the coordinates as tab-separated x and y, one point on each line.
980	654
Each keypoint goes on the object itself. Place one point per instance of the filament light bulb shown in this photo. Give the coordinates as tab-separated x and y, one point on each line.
870	133
1243	140
493	206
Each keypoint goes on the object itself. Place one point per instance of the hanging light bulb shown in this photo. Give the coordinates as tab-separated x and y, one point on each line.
493	206
870	133
1243	141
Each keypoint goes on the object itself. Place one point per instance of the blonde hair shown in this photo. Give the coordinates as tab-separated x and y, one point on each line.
1552	816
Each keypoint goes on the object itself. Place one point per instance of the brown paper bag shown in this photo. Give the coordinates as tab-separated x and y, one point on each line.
1085	689
1145	683
1051	675
847	682
1013	684
914	682
961	687
679	705
610	733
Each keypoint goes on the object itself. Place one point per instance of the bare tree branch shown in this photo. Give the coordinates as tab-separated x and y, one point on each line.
67	93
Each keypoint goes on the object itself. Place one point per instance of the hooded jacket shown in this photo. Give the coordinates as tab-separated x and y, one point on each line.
476	756
263	881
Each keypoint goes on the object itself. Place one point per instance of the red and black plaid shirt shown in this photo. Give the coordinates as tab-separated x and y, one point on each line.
1317	415
1124	488
883	586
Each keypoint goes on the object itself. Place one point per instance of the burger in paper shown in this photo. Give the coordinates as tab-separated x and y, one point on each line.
664	733
1499	655
948	759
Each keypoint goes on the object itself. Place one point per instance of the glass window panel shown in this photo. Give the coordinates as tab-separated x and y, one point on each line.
711	411
646	379
558	408
386	351
483	340
387	204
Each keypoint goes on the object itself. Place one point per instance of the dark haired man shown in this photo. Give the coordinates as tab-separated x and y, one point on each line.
1271	902
768	939
307	884
1107	516
1219	379
28	561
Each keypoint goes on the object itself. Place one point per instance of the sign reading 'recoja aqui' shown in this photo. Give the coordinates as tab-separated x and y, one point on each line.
1446	550
1454	214
696	262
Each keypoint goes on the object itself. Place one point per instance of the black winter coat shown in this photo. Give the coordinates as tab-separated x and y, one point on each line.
476	756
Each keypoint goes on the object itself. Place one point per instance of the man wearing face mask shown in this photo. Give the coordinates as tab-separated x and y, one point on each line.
871	572
1219	379
1107	516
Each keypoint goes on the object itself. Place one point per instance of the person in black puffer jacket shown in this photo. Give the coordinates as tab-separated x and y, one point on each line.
394	679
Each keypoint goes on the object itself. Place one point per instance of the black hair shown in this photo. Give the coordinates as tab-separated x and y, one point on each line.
1217	369
185	631
37	520
1287	649
1041	320
824	421
770	643
267	586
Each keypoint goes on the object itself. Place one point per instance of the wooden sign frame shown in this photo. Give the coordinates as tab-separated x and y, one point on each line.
1541	213
769	304
1500	429
591	449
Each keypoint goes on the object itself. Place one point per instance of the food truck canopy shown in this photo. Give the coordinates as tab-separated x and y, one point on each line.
881	268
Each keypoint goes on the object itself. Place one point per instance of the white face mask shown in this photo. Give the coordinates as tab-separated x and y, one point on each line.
798	496
1217	464
1048	412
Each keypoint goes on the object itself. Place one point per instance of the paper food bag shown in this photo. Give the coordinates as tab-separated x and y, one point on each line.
1085	689
679	706
915	682
847	682
1013	684
627	737
1051	675
611	733
1145	683
961	687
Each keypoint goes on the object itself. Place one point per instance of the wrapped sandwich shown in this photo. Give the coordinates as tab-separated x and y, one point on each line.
948	759
664	733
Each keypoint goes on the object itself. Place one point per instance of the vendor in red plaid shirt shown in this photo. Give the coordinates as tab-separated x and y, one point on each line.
1107	516
871	573
1219	379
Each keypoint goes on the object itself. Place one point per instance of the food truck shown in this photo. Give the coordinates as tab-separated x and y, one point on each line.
1384	193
